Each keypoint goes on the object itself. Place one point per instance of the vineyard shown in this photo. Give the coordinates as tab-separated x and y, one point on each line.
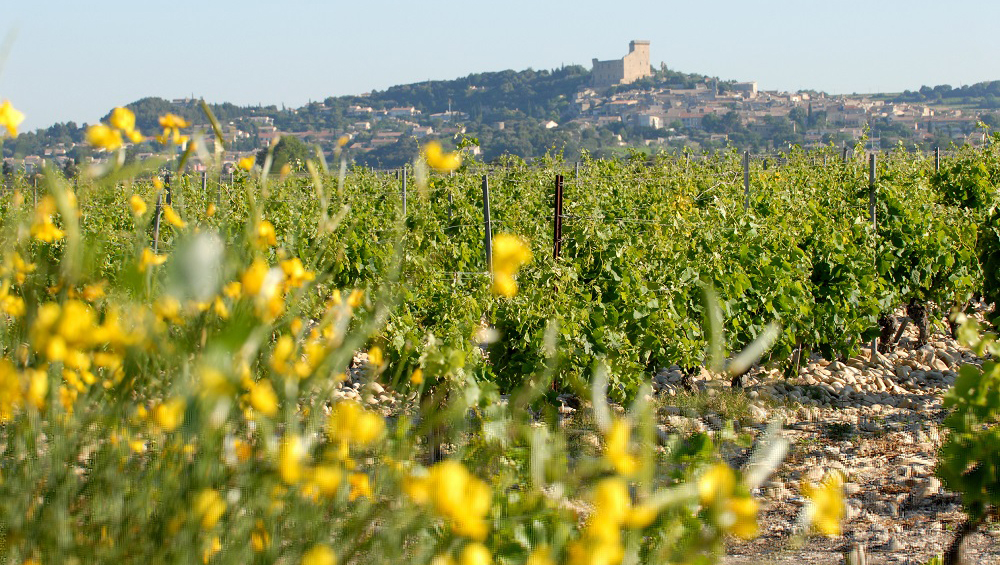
176	350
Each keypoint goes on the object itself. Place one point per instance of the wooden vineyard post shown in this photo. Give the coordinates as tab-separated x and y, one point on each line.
845	152
34	189
204	183
156	222
166	187
404	191
557	218
487	225
871	209
937	159
577	178
746	180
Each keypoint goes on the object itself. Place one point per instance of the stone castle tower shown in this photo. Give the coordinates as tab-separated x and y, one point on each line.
629	68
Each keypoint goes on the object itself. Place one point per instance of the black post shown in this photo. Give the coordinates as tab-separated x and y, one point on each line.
404	191
166	186
746	180
845	151
937	159
557	218
204	183
156	222
487	225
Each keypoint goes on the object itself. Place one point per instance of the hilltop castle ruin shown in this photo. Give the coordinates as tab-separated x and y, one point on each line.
629	68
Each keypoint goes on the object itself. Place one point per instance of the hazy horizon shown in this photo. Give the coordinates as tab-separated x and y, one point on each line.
69	62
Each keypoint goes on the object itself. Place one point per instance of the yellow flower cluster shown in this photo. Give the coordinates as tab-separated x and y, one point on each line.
264	234
246	163
138	205
600	542
172	124
10	118
70	334
149	259
110	137
734	512
509	253
284	360
351	425
439	160
43	228
617	452
826	508
455	494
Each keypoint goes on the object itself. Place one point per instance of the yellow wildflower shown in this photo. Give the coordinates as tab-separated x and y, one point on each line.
170	414
743	516
263	397
38	388
826	509
246	163
47	232
296	272
355	298
460	497
210	506
717	483
148	258
124	119
417	377
10	118
11	304
172	124
234	289
342	141
265	235
375	356
285	169
215	546
10	390
21	267
172	218
437	159
475	554
173	121
93	292
290	457
326	479
540	556
360	486
617	452
349	423
509	253
243	450
100	135
319	555
210	211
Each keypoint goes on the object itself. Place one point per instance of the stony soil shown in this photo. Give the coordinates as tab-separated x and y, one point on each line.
877	421
880	423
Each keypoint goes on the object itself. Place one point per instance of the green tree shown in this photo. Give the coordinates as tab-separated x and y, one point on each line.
289	150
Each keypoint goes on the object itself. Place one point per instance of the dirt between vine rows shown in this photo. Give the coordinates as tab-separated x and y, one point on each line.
880	423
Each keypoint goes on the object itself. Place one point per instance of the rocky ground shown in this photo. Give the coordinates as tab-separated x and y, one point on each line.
878	421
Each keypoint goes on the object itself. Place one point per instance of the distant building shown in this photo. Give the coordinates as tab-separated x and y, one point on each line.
629	68
747	89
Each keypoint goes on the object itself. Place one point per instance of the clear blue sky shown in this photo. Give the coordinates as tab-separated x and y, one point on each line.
73	60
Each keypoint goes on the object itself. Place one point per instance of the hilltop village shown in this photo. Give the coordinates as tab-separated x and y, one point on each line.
616	105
